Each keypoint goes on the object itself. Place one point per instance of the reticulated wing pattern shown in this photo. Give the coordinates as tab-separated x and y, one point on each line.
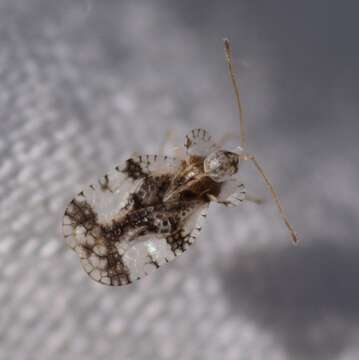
152	251
91	221
189	230
83	231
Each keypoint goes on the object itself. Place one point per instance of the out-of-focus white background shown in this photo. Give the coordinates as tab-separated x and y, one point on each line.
85	83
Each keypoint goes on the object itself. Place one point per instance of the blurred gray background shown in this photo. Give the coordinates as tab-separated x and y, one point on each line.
85	83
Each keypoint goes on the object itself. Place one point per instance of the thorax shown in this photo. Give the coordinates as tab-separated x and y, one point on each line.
191	183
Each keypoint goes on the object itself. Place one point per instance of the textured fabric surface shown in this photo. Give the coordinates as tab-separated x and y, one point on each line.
83	84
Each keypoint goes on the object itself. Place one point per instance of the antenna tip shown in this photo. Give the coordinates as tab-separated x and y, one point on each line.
295	238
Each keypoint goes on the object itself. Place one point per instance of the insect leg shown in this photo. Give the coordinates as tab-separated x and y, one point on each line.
167	139
254	199
273	193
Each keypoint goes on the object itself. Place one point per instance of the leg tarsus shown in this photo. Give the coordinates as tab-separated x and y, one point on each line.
255	199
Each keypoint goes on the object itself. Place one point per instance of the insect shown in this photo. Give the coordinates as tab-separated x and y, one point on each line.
149	210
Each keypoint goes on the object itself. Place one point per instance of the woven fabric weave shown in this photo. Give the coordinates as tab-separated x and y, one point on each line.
83	84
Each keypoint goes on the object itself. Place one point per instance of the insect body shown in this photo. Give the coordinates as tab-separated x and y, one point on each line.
151	209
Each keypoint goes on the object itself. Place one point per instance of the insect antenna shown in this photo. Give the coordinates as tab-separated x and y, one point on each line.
232	75
274	194
228	55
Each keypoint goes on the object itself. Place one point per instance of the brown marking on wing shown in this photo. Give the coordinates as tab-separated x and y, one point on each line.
95	246
81	213
133	169
177	242
104	184
188	142
181	238
152	190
